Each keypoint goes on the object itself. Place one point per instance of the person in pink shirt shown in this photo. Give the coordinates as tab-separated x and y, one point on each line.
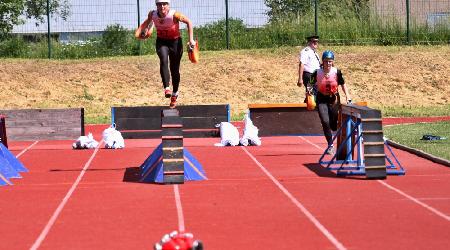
326	80
169	45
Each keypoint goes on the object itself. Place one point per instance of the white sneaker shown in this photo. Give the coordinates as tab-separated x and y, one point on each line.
330	150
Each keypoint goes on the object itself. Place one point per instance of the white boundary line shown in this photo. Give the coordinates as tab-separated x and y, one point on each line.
58	210
26	149
302	208
176	191
435	211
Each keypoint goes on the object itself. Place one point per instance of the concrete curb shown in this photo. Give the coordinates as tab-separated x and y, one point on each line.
419	153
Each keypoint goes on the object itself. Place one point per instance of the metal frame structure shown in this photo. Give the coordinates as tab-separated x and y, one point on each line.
356	165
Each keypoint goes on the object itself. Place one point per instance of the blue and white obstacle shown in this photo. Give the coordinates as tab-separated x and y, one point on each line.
152	170
170	162
10	166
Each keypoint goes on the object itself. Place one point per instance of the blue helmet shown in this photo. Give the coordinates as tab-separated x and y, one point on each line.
328	54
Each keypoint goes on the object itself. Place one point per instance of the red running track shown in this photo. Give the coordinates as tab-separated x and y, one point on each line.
274	196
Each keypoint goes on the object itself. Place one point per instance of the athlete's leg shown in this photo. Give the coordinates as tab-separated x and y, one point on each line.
334	112
163	53
325	121
175	54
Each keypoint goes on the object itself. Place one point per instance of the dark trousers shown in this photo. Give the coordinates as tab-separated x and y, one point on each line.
170	53
328	107
308	83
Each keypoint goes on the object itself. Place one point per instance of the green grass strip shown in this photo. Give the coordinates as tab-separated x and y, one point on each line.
411	134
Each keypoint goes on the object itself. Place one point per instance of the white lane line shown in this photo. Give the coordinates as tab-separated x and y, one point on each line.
181	227
302	208
26	149
434	210
58	210
315	145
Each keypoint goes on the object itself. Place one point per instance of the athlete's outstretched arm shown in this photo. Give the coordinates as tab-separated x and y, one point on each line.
190	27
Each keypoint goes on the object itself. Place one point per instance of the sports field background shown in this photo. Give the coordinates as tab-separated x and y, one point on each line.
404	77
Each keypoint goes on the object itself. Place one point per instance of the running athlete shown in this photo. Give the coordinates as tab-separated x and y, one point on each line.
327	80
169	45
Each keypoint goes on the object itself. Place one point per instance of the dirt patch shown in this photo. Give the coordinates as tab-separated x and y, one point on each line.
382	76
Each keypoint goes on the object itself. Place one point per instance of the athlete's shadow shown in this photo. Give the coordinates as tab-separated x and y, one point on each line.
132	174
320	170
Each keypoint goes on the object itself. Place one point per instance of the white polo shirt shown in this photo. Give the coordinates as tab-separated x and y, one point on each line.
310	59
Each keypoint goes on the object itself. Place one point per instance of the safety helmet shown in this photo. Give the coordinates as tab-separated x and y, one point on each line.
328	54
162	1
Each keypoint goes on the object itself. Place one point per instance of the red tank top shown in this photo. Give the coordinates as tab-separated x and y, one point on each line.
167	27
327	84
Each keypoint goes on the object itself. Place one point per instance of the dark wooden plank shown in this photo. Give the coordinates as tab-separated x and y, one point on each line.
376	173
203	110
172	132
173	179
41	113
172	120
141	134
286	121
172	143
44	124
276	105
145	123
169	166
185	111
201	133
137	112
170	112
149	118
173	153
203	122
3	138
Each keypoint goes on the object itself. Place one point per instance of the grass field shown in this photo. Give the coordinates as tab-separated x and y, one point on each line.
411	134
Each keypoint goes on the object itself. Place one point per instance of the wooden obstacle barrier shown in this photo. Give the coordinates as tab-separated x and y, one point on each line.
44	124
3	138
361	145
145	121
285	119
172	146
170	162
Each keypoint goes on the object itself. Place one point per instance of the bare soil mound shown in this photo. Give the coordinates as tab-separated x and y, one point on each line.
382	76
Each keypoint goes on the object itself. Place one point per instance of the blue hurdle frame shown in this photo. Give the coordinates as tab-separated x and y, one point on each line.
351	166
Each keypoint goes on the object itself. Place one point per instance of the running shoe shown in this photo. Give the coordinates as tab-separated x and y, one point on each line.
167	93
330	150
173	101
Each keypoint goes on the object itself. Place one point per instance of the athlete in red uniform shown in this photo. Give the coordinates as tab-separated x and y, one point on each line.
327	79
169	45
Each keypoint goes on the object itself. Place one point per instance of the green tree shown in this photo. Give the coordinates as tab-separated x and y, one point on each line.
12	12
280	9
344	8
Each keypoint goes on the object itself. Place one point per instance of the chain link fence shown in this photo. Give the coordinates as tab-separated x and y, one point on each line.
240	24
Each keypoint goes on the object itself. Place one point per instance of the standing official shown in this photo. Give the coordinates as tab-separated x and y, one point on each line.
309	62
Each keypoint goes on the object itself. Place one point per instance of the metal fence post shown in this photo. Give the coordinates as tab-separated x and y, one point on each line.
408	31
227	28
139	23
49	40
316	17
